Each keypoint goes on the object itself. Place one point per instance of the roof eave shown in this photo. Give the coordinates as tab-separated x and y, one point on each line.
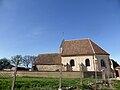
47	64
82	54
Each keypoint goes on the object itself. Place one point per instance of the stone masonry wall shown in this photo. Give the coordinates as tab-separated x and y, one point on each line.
48	67
51	74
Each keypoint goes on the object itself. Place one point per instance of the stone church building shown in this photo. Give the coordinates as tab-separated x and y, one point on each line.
75	55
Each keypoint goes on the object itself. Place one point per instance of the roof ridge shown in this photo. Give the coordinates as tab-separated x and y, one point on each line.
98	46
78	39
91	46
49	53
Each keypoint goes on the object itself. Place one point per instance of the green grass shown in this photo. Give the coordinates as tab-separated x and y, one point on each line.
27	83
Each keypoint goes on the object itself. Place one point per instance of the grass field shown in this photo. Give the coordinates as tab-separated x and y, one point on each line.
27	83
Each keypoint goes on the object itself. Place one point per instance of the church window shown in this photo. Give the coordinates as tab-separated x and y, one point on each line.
103	63
87	62
72	63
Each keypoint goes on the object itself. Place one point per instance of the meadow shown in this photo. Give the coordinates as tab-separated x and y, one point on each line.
28	83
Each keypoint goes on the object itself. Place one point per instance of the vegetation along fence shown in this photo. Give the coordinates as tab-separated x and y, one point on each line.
26	80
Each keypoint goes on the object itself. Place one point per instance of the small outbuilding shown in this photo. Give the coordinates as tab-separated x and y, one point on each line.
48	62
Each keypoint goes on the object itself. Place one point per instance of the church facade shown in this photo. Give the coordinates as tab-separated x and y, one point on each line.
75	55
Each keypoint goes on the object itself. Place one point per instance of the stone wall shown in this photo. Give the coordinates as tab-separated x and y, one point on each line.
50	74
92	58
78	60
48	67
107	62
92	74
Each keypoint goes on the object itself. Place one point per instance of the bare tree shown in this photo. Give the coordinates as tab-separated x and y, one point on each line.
13	59
16	60
28	60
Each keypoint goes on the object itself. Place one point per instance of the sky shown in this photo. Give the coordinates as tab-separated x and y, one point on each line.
32	27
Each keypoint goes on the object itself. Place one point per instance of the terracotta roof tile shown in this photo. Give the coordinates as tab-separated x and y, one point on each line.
98	50
48	59
81	47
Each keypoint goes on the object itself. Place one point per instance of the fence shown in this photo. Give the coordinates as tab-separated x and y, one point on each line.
49	83
51	74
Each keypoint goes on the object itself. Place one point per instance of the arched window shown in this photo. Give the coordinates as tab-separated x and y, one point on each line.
103	63
87	62
72	63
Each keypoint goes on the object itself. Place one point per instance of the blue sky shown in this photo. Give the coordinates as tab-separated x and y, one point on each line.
31	27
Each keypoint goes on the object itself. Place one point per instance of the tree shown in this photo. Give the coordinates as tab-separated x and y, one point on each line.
3	63
14	58
27	60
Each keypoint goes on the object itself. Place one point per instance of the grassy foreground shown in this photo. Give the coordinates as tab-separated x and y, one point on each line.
45	83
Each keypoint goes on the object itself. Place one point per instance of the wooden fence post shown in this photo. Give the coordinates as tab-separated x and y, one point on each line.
60	81
14	76
81	75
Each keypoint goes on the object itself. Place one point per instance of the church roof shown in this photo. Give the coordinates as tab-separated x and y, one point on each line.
81	47
48	59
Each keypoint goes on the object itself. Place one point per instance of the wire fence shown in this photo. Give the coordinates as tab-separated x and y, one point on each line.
26	80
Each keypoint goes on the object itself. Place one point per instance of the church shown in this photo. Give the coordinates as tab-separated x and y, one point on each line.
75	55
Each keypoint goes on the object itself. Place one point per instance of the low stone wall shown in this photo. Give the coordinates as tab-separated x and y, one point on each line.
48	67
50	74
92	74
